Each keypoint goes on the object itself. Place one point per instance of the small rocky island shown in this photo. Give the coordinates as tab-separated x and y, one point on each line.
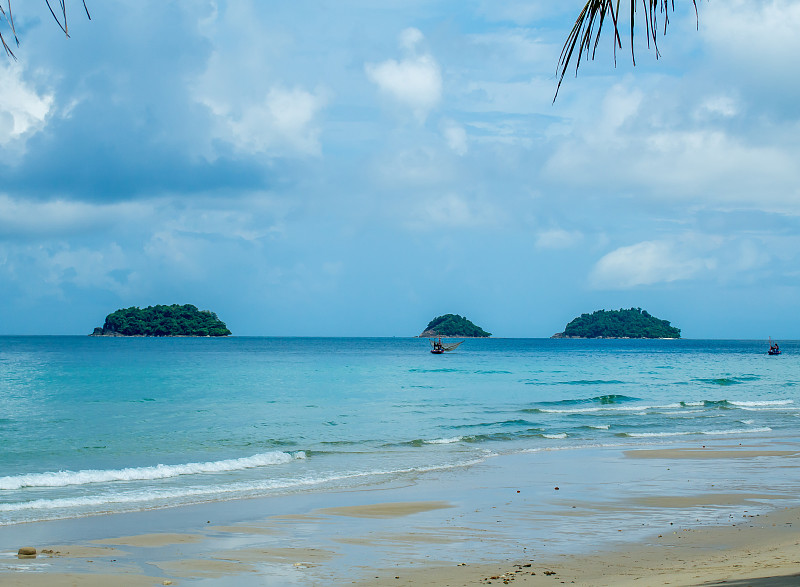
453	325
632	323
174	320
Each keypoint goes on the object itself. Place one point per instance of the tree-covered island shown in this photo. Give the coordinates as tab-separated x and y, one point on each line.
174	320
453	325
632	323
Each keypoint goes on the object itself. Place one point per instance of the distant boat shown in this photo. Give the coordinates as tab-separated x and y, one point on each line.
439	347
773	348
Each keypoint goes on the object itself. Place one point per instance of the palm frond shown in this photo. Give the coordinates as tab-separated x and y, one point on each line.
8	17
584	37
63	25
5	15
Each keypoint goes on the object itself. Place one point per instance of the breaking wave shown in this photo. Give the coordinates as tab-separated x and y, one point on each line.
85	477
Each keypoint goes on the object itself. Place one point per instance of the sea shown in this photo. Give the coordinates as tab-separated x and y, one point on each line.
94	425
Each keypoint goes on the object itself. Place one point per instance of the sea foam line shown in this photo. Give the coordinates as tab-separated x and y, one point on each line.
204	493
452	440
607	409
754	404
691	432
84	477
628	409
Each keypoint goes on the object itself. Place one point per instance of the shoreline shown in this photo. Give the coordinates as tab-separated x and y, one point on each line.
760	552
683	514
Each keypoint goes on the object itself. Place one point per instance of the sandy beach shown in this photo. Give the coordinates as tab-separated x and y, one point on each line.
678	515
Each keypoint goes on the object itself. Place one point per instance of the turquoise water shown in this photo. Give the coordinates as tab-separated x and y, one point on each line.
91	425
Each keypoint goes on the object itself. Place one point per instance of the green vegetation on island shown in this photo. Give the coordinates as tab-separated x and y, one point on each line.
633	323
453	325
174	320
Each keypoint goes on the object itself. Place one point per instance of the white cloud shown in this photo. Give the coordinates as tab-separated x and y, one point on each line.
415	81
57	218
249	219
755	39
512	97
261	99
410	38
719	106
22	110
514	50
620	107
449	210
648	263
88	268
558	238
42	270
456	137
291	114
686	150
418	167
284	121
520	11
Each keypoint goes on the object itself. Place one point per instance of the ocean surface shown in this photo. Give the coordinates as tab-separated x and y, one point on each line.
94	425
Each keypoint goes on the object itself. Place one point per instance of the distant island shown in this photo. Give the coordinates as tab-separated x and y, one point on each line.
453	325
633	323
174	320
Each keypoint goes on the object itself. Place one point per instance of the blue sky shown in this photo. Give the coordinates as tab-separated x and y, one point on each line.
355	168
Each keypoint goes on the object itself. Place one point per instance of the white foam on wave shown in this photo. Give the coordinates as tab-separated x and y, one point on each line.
692	432
150	497
755	404
452	440
601	426
607	409
555	436
88	476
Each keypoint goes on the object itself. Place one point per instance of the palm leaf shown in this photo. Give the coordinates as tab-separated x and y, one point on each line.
5	15
584	37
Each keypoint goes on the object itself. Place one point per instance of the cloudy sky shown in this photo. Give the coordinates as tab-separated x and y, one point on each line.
356	168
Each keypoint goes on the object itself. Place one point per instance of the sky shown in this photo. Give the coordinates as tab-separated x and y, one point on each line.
357	168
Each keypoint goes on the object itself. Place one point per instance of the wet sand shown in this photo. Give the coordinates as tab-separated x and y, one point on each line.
681	515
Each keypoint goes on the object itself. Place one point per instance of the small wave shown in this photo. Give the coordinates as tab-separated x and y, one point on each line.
608	399
452	440
442	370
134	499
607	410
756	404
475	438
338	443
690	433
600	426
722	404
555	436
488	424
593	382
84	477
724	381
